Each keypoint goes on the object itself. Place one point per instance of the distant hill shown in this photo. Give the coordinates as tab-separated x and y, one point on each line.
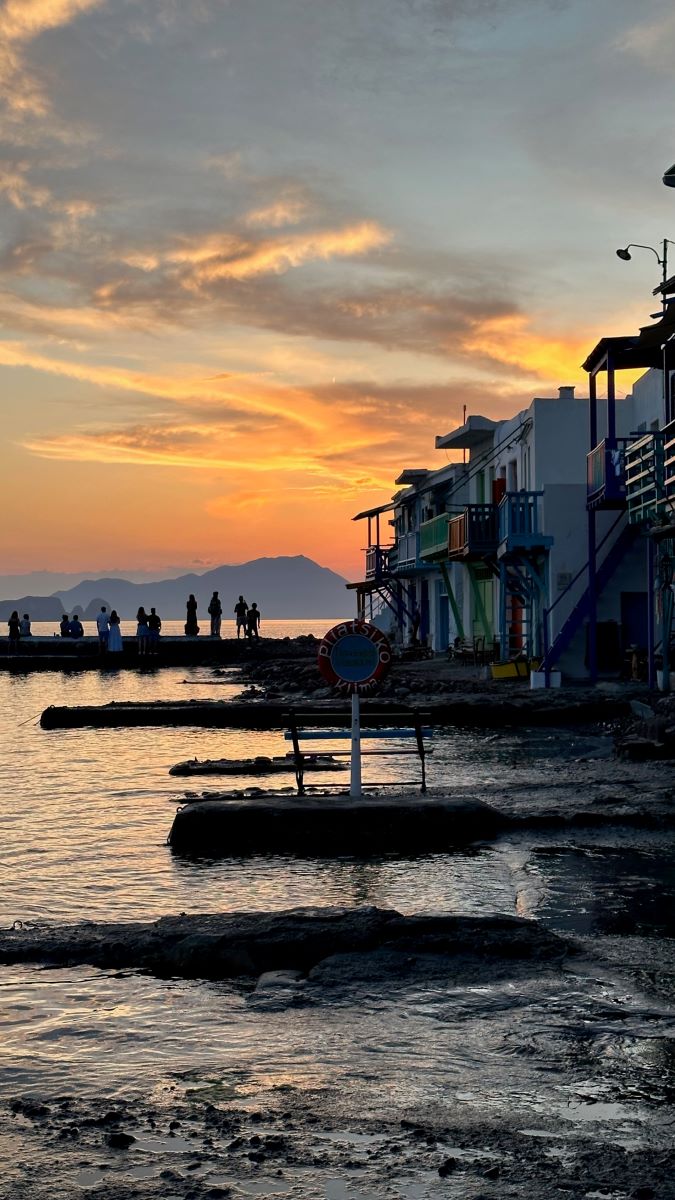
39	608
46	583
282	587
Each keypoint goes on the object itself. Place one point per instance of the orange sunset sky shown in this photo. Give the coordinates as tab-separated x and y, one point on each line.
256	254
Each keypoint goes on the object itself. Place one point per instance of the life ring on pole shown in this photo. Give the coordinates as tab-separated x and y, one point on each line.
354	657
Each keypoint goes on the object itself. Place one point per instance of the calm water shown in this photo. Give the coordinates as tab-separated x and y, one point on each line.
272	629
88	811
86	815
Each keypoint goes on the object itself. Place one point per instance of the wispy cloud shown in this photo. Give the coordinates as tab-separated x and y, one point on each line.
22	22
652	41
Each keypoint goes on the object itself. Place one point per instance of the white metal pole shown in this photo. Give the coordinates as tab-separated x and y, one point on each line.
355	782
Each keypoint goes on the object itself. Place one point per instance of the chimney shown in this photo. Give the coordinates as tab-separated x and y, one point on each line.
566	393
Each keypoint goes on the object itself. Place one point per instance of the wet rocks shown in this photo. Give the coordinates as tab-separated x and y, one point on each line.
120	1140
295	942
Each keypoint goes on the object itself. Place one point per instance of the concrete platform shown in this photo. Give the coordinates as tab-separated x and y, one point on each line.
64	654
330	824
491	712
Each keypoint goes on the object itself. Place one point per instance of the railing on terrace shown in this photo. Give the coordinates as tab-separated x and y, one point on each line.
473	532
645	477
669	465
434	536
377	561
606	479
519	520
407	551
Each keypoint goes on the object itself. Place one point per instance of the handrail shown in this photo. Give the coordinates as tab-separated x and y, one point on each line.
546	612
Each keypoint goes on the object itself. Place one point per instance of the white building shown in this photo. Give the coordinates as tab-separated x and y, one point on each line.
494	550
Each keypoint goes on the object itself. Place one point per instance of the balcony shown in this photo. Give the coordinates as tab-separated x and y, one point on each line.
606	479
377	562
407	551
519	523
434	537
645	477
473	534
669	464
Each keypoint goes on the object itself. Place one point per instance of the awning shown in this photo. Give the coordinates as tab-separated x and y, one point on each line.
412	475
374	512
470	434
635	352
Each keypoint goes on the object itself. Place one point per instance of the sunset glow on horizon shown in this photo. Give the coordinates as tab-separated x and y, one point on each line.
257	255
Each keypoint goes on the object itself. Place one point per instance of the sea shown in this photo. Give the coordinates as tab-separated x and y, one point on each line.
279	628
86	814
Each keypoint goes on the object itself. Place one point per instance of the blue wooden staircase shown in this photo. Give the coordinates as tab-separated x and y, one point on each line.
581	610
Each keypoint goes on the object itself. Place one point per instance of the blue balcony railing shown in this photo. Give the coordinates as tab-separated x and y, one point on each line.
669	465
645	476
606	475
519	523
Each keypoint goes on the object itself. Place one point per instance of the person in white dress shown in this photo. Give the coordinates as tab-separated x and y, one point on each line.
115	645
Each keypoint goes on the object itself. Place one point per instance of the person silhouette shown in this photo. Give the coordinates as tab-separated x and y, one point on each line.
102	624
240	610
253	622
215	611
191	626
142	631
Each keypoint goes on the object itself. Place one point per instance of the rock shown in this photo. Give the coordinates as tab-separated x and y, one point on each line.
227	945
30	1108
447	1167
119	1140
492	1172
643	1193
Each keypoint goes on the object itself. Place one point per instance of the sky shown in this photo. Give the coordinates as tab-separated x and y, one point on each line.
256	254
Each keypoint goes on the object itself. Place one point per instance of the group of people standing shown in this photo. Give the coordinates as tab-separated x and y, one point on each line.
148	625
247	618
18	627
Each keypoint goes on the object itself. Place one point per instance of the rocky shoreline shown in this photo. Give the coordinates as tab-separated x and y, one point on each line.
330	941
202	1148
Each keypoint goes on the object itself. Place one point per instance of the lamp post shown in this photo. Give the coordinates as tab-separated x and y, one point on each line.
662	259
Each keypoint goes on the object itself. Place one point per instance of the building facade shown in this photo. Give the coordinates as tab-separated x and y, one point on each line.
513	550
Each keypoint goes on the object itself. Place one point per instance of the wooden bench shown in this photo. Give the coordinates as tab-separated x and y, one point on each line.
412	728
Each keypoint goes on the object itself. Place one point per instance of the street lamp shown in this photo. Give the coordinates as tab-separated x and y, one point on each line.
662	259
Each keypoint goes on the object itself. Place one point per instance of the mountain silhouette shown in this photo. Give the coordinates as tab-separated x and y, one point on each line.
282	587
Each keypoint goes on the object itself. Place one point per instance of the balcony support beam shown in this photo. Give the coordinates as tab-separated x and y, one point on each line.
592	600
611	400
651	631
459	624
478	602
593	408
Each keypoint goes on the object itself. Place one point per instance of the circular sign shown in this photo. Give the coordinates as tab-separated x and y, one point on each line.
354	656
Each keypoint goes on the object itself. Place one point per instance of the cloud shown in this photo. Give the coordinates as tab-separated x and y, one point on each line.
229	257
653	42
22	22
287	209
361	436
221	393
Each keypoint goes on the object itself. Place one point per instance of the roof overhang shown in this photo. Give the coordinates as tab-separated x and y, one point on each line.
636	352
374	512
412	475
474	431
